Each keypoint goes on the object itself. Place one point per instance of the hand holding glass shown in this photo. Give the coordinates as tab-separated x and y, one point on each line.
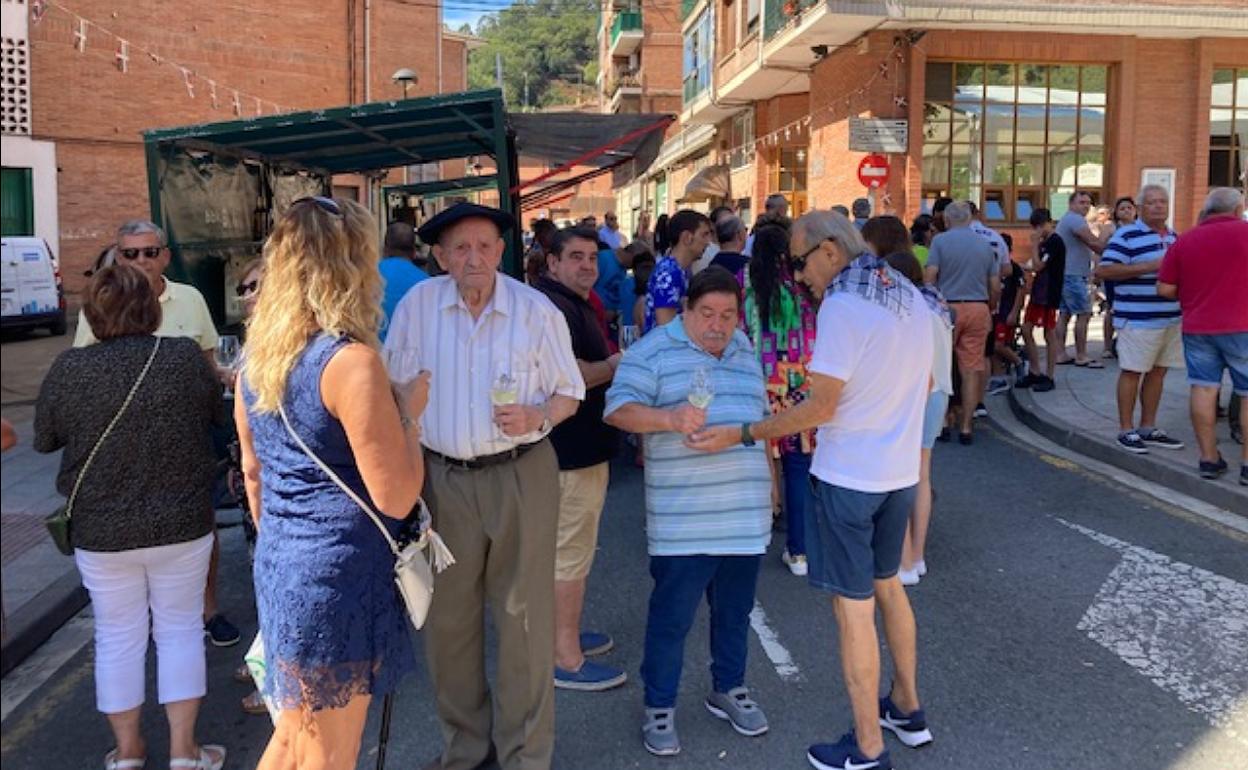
701	390
227	356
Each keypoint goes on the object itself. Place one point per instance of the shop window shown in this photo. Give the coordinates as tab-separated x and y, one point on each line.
1013	136
1228	128
788	177
742	147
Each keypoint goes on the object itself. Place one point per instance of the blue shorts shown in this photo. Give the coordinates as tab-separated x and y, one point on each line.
1207	355
854	538
1075	295
934	417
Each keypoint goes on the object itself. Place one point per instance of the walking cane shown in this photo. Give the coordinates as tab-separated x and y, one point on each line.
383	737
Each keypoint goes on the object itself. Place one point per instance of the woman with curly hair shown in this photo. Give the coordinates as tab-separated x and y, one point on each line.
334	629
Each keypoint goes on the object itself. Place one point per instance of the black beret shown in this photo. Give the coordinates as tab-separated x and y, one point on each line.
430	230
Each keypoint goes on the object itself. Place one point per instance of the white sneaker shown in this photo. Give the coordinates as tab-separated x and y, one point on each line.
920	567
796	564
909	577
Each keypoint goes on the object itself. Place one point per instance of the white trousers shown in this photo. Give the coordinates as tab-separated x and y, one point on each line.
167	581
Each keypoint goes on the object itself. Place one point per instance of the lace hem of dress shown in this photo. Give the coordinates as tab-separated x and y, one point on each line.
292	686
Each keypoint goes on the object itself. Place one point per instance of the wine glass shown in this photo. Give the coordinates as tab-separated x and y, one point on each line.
504	389
629	334
701	390
227	354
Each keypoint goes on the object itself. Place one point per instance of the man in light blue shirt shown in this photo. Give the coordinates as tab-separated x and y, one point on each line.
398	269
708	515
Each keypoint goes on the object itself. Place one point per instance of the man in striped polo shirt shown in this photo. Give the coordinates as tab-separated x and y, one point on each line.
708	514
1149	340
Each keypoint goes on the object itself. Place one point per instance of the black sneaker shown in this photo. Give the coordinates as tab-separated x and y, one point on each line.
1131	441
1043	384
980	410
1026	381
1212	471
1158	438
221	632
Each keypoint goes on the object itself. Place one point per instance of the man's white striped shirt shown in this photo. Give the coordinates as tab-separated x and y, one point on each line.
519	331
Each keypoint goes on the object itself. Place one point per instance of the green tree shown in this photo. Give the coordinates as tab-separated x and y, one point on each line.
543	42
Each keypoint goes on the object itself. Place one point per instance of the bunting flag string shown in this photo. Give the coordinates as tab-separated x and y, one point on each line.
121	57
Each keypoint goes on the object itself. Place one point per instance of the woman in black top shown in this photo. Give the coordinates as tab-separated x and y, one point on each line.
142	517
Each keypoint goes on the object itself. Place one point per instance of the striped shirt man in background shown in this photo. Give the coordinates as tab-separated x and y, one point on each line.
708	515
1148	324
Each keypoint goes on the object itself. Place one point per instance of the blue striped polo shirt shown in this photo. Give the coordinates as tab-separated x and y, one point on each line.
698	503
1136	302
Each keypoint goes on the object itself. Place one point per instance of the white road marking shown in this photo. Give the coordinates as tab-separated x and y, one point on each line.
1183	627
776	652
35	671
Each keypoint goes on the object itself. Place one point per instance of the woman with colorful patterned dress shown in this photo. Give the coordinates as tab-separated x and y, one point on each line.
779	318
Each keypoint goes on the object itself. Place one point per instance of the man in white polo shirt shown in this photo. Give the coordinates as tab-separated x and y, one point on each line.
183	313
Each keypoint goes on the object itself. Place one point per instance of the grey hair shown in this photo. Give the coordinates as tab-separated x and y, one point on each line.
818	226
728	228
1155	188
774	200
1222	200
958	214
142	227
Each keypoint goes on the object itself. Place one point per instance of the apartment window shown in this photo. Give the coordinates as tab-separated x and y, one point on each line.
1228	128
1014	137
752	16
742	147
699	47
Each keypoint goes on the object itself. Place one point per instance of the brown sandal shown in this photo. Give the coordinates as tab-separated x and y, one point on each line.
254	704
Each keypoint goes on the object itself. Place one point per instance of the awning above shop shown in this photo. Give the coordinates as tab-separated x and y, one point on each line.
711	182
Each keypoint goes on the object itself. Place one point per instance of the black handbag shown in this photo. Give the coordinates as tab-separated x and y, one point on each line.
59	522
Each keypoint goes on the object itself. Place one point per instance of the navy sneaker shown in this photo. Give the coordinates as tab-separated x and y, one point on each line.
910	729
844	755
595	643
592	677
1158	438
1212	471
221	632
1131	441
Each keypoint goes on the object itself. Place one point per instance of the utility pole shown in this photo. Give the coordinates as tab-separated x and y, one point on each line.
498	73
526	91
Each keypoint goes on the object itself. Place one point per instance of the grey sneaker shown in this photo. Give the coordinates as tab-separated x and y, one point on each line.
659	732
739	708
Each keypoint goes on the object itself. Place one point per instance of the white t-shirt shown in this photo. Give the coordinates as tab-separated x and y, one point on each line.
872	443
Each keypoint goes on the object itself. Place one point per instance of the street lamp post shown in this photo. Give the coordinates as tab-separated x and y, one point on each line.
405	77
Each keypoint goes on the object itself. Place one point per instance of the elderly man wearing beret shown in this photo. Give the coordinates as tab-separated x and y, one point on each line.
503	374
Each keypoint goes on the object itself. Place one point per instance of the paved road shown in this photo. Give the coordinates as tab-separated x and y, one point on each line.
1067	621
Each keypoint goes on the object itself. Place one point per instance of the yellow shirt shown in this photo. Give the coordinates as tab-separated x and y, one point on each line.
183	313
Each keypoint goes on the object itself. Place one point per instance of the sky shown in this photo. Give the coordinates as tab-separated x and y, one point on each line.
457	12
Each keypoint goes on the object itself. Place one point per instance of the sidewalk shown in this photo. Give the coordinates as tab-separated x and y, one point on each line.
1081	413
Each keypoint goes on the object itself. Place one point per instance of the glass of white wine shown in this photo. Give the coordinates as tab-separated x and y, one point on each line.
227	354
504	389
701	390
628	335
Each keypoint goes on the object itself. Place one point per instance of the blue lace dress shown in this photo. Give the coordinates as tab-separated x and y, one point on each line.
332	621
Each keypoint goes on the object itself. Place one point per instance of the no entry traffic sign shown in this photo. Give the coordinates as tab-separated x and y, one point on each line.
873	171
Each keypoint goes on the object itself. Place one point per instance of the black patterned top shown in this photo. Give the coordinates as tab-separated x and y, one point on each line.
151	481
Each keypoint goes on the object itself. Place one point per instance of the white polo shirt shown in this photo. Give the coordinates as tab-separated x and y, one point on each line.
183	313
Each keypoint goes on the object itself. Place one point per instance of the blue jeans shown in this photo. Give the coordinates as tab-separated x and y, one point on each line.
856	537
679	584
796	467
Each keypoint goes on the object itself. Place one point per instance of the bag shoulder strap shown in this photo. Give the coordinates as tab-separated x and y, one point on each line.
69	507
394	547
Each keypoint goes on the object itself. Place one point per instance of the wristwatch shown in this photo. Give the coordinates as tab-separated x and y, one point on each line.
545	427
747	439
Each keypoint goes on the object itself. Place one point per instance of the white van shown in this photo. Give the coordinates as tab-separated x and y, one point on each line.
31	294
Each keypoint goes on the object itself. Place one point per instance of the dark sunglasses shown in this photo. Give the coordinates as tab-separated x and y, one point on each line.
328	205
243	289
798	264
151	252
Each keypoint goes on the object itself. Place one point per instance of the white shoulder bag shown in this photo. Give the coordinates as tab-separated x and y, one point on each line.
413	570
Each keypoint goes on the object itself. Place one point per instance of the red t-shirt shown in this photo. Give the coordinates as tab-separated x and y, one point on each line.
1209	264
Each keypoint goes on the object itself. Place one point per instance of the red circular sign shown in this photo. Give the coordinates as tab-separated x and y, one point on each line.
873	171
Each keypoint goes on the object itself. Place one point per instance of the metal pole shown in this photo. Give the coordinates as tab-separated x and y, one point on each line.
526	91
498	72
383	737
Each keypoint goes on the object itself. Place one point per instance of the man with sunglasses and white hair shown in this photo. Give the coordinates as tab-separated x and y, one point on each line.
870	374
183	311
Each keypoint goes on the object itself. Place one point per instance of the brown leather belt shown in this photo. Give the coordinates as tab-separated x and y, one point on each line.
485	461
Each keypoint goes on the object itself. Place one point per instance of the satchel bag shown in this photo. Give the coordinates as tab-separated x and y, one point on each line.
415	562
59	521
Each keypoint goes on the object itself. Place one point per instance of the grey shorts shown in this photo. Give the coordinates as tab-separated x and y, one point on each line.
855	538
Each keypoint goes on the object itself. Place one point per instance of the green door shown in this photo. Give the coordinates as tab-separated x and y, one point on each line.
17	205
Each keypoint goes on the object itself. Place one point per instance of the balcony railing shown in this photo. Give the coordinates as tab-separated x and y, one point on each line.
622	78
625	21
696	82
781	14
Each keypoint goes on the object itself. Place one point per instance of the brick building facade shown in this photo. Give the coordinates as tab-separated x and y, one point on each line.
294	55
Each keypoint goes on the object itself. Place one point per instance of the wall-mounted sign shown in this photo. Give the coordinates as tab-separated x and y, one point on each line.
879	134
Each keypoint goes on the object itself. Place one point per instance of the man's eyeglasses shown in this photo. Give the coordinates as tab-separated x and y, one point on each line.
243	289
328	205
151	252
798	264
